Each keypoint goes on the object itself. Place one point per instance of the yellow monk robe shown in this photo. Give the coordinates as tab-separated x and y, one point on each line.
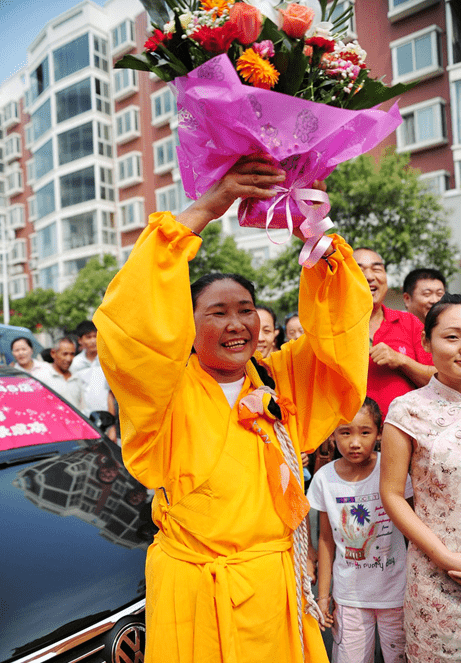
220	578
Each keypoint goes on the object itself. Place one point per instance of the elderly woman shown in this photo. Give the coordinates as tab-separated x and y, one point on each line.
218	434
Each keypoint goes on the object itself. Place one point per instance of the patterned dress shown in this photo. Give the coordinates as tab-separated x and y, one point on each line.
432	416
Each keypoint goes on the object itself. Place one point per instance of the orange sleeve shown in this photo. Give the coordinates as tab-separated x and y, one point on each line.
325	370
145	334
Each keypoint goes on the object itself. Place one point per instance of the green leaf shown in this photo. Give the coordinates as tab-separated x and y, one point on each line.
139	62
374	92
296	69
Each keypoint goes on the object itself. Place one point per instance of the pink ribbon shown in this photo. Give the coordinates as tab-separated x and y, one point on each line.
313	227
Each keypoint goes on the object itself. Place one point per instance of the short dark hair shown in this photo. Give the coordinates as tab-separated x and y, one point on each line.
85	327
374	410
418	274
434	312
271	312
22	338
203	282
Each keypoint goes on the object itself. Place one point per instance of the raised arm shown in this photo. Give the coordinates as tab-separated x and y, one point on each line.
325	370
396	451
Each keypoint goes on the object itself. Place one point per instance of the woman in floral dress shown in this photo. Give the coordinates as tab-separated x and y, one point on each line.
422	433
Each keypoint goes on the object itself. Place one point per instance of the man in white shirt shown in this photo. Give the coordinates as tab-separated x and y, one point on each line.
87	368
58	375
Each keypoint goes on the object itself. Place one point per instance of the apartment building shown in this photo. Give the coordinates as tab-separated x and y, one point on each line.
88	152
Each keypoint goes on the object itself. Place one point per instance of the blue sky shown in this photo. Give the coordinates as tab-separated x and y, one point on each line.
21	21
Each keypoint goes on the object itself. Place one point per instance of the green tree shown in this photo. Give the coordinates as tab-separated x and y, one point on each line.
384	207
36	310
219	253
79	300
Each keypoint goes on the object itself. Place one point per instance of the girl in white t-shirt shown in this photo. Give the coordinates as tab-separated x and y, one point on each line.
361	547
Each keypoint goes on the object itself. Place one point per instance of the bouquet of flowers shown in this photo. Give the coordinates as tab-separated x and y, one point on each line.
254	76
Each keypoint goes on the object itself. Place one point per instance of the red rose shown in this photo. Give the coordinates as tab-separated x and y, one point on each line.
248	21
216	40
158	37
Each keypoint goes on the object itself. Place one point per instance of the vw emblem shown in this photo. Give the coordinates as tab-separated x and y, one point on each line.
129	643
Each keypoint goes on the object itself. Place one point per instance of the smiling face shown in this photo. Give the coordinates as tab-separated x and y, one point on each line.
267	332
426	293
356	441
445	346
63	356
22	352
227	328
373	268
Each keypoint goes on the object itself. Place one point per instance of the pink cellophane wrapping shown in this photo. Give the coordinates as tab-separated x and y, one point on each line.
221	119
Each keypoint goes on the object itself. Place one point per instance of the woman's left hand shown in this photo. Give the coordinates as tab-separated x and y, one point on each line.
456	576
321	186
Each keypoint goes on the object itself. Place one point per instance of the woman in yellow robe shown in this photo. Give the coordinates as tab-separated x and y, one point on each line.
220	574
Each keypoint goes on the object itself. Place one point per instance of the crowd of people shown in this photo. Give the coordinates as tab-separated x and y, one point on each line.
222	410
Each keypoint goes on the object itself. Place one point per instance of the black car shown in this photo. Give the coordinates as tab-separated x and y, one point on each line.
75	529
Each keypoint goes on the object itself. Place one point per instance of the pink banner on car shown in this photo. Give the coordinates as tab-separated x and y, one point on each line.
30	414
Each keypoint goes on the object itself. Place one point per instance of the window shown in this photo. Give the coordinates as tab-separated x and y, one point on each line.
32	205
457	111
132	214
77	187
18	252
129	170
33	244
10	114
14	183
72	267
30	171
399	9
109	235
436	182
41	120
102	96
423	126
454	31
18	287
125	83
47	243
73	100
168	198
127	124
106	184
75	143
48	277
164	155
12	147
100	53
123	36
417	55
43	160
15	217
45	200
79	230
163	106
39	80
104	140
71	57
29	133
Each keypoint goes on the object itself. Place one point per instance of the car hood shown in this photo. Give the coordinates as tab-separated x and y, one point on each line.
75	529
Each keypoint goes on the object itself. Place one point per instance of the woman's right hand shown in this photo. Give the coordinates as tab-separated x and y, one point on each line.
252	176
453	567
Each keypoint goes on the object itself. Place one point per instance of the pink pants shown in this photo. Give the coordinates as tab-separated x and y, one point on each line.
354	634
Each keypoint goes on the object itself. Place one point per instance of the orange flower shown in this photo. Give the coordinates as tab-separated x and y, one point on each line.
219	5
296	20
248	21
257	71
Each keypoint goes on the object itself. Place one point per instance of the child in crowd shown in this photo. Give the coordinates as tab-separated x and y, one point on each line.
360	546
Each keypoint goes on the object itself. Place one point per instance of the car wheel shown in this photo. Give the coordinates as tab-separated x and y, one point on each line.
126	641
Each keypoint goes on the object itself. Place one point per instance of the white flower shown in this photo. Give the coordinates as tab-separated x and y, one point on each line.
185	19
270	8
322	29
169	28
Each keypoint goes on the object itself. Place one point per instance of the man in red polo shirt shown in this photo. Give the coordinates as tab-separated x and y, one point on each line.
398	362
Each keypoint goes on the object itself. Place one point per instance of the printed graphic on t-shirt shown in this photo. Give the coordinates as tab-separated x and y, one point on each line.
361	522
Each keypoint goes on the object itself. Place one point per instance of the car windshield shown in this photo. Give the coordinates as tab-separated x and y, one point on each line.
30	414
